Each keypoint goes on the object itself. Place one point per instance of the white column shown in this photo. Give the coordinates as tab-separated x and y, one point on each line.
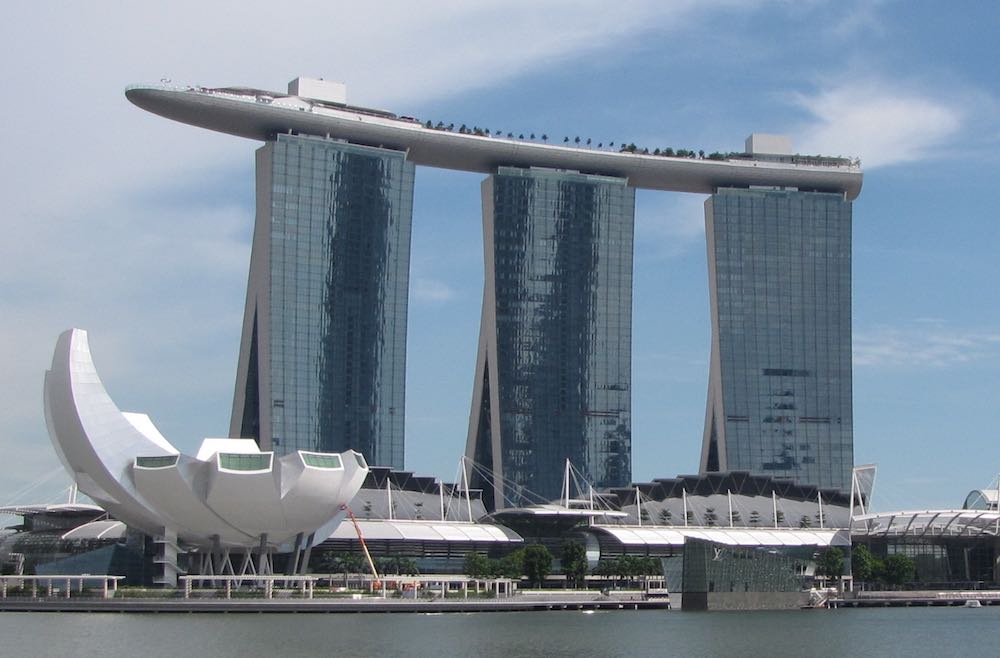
729	497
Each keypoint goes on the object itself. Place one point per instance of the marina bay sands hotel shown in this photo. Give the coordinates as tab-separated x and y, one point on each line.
323	354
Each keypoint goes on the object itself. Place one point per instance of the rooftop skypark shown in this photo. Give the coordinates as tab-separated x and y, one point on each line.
320	108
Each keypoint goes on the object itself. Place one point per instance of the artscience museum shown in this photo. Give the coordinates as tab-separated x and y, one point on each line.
230	495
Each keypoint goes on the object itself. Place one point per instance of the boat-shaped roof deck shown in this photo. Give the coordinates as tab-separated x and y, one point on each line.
259	115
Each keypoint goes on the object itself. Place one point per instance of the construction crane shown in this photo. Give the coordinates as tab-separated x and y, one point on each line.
377	584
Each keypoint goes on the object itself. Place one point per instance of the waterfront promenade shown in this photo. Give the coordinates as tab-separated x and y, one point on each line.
556	600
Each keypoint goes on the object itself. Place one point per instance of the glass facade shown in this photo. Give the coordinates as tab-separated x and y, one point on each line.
323	363
749	577
243	462
553	376
780	382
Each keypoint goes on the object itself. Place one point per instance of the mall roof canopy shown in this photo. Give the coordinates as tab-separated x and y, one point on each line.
385	530
748	537
928	523
60	509
97	530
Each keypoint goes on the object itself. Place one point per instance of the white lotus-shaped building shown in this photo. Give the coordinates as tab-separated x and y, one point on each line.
230	495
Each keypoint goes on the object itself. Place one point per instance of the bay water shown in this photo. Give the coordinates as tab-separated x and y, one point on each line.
856	632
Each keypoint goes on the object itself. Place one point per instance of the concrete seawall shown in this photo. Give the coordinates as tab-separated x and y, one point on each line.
511	604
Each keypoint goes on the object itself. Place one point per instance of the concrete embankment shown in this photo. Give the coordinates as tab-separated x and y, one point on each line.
915	598
320	605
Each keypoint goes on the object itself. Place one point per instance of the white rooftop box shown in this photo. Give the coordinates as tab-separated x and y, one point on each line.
318	89
764	143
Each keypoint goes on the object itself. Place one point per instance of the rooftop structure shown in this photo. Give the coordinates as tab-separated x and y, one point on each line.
258	114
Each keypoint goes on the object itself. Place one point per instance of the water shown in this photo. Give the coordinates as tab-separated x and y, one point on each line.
867	632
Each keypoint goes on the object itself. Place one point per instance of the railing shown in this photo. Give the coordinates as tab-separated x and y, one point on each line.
305	584
109	584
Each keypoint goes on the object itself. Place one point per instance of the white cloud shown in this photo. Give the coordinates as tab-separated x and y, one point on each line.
924	343
431	291
878	121
667	225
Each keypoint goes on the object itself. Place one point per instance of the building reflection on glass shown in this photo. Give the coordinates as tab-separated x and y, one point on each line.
323	356
553	373
779	399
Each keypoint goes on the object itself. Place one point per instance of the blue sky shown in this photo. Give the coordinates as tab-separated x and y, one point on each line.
138	229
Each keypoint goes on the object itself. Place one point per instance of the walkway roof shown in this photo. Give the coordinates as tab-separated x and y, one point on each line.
928	523
383	529
749	537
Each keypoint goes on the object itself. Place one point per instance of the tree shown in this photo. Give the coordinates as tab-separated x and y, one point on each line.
665	516
537	564
477	565
865	565
755	518
710	516
324	563
830	563
511	565
623	567
649	566
899	569
574	562
397	566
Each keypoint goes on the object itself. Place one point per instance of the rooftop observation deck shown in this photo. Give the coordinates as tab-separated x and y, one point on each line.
259	115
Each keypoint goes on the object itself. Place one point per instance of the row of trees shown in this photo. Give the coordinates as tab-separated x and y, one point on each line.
629	148
535	563
711	517
895	570
355	563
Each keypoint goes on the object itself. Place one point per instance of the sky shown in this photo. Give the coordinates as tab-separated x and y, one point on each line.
138	229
